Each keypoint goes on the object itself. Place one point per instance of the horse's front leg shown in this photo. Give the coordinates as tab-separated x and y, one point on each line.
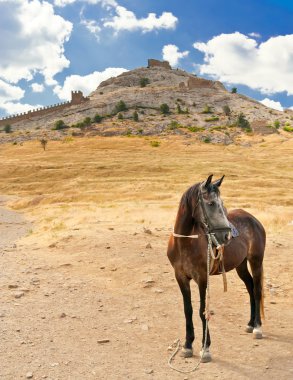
205	354
184	284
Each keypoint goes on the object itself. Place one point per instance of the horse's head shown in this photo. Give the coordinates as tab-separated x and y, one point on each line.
213	211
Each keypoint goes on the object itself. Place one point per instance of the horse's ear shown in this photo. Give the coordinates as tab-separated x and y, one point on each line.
207	183
219	181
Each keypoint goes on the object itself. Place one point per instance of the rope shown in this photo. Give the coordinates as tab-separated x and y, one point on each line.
207	317
186	236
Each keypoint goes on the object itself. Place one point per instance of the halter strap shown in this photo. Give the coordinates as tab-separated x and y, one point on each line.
185	236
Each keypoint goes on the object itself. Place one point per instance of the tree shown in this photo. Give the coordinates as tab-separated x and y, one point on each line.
7	128
44	143
164	108
120	106
234	90
144	81
226	110
97	118
59	124
135	116
242	122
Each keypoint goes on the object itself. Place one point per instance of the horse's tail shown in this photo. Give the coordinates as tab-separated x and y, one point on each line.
262	308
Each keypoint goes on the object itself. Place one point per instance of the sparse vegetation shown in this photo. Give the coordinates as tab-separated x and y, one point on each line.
164	108
87	121
120	106
181	111
173	125
144	82
207	139
7	128
155	144
226	110
207	109
234	90
195	129
120	116
213	118
135	116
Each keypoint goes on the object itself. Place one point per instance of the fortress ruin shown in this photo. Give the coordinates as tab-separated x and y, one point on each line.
76	98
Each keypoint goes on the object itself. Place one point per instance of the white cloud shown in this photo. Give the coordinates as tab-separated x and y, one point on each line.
127	20
272	104
236	58
255	35
87	83
37	87
13	108
172	54
63	3
92	26
9	92
32	39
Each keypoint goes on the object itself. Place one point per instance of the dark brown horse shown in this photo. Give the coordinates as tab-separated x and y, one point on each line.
202	218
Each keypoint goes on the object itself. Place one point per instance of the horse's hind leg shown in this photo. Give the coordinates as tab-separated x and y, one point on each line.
257	274
245	276
184	284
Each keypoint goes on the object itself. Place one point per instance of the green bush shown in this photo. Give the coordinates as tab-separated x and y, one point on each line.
120	106
277	124
287	128
97	118
207	109
234	90
155	144
59	124
242	122
135	116
87	121
207	140
7	128
213	118
179	110
144	82
120	116
226	110
164	108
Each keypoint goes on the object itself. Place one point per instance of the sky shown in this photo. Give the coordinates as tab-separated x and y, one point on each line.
48	48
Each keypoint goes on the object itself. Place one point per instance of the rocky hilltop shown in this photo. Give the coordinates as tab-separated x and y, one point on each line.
195	105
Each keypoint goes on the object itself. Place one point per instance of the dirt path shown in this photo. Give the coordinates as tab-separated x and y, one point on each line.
95	303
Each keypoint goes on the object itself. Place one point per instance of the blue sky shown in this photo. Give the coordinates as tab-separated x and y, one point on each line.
49	48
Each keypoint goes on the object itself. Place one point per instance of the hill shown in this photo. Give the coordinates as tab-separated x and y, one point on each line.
196	105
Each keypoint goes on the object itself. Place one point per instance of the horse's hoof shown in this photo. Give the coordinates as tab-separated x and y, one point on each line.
206	356
186	352
249	329
257	332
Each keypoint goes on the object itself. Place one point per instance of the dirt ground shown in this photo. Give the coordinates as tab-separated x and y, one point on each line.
87	291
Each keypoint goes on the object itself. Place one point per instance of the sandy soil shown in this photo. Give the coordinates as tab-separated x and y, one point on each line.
90	278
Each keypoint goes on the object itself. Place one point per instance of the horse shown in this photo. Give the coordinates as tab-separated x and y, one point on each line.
202	218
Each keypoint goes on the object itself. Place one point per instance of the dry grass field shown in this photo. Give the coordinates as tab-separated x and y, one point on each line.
86	274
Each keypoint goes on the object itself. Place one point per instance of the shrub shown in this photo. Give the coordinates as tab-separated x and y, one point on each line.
59	124
207	109
155	144
135	116
120	106
287	128
179	110
277	124
195	129
44	143
7	128
173	125
97	118
234	90
226	110
164	108
140	130
87	121
120	116
213	118
207	140
144	81
242	122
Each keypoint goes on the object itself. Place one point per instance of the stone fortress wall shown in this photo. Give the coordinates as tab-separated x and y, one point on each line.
76	98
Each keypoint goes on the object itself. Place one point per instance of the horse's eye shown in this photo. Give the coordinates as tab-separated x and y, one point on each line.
211	203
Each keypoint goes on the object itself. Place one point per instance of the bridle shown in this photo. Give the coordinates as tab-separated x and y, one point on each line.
210	230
